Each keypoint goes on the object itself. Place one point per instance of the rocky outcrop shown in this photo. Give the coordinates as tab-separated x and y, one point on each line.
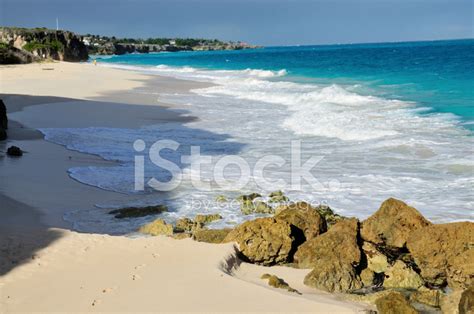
339	243
24	45
205	219
333	257
466	304
210	235
445	253
333	276
3	121
248	207
157	227
376	261
277	197
279	283
265	241
392	224
12	55
401	276
394	303
426	296
304	217
133	212
186	225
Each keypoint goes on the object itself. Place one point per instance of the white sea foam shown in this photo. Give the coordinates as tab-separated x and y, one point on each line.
373	148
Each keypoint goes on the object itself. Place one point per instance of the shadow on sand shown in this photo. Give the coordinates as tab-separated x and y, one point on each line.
22	233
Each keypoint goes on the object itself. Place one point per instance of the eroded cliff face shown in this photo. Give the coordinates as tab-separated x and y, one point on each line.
21	45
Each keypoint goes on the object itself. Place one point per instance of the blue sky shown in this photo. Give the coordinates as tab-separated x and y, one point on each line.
264	22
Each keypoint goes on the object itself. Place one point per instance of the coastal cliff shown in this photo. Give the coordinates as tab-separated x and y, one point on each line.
22	45
103	45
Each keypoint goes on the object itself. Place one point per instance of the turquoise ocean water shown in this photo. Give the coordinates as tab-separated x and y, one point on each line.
387	120
437	75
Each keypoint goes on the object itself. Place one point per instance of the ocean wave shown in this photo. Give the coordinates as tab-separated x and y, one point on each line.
373	147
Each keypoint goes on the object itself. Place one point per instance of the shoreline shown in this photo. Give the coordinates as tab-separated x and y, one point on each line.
92	272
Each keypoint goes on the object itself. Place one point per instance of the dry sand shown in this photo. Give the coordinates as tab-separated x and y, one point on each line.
45	267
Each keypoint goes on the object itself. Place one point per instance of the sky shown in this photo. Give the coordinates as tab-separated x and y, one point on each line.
262	22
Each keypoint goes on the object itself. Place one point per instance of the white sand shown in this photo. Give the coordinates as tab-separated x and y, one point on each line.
45	267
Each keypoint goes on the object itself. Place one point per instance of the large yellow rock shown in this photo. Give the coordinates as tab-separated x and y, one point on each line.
394	303
304	217
445	253
157	227
376	261
333	257
401	276
392	224
265	241
339	243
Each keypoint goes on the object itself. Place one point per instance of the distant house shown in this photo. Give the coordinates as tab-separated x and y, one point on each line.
173	42
86	41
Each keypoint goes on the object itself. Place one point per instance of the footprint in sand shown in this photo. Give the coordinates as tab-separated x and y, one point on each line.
136	277
155	255
108	290
96	302
139	266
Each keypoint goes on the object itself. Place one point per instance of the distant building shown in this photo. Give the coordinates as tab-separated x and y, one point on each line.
173	42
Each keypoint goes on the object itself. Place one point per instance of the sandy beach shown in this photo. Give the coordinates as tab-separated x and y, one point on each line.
45	266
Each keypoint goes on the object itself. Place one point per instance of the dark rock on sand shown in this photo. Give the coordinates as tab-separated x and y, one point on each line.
131	212
14	151
304	217
157	227
210	235
277	282
445	253
265	241
392	224
334	257
394	303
